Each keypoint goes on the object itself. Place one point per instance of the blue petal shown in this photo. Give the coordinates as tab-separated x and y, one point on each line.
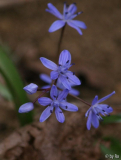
54	92
59	115
74	15
63	95
50	11
79	24
54	75
73	79
86	114
71	24
68	106
31	88
64	8
65	82
95	110
98	110
56	25
54	10
49	64
99	117
72	8
106	97
45	78
105	107
95	100
95	121
26	107
74	92
65	57
45	87
46	113
44	101
89	120
60	85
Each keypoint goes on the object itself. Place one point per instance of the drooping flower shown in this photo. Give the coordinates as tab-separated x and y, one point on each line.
96	109
60	71
31	88
56	102
27	107
48	80
67	17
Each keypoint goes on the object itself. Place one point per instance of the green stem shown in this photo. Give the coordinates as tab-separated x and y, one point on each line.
60	41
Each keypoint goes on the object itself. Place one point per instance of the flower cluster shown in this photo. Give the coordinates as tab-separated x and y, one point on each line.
61	79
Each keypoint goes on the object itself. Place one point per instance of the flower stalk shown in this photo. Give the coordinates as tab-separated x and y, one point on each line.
44	91
80	99
60	41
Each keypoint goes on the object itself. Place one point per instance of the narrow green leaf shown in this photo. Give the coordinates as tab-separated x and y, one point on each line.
114	150
106	150
5	92
112	119
15	85
115	144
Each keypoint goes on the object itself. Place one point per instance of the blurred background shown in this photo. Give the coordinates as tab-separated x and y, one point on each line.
25	38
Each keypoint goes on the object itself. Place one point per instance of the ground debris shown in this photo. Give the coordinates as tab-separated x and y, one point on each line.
51	140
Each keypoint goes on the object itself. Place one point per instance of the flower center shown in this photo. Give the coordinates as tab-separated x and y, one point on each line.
67	15
56	103
62	69
94	106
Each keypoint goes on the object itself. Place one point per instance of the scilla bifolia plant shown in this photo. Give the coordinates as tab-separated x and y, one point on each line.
62	79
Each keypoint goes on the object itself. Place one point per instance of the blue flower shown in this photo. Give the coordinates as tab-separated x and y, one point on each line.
31	88
26	107
60	71
67	17
48	80
56	102
96	109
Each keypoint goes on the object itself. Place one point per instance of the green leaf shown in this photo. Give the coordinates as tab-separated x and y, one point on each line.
15	85
5	92
114	150
112	119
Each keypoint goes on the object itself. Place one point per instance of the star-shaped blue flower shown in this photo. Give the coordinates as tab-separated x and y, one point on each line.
56	102
48	80
96	109
67	17
60	71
